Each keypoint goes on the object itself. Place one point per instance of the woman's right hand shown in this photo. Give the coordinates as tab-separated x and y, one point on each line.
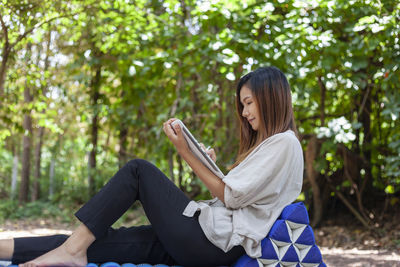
209	152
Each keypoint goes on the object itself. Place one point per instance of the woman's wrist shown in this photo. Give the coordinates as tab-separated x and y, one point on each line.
183	152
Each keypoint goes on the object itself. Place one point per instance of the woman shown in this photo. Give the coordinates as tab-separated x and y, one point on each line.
266	177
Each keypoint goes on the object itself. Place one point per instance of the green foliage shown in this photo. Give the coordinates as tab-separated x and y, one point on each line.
11	210
159	59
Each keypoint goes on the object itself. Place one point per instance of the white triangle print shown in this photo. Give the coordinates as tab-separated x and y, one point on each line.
310	264
280	243
282	251
302	246
303	250
289	231
276	248
297	250
297	232
294	225
288	264
265	262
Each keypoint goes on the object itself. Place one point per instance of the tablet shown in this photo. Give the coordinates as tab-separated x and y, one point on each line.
198	151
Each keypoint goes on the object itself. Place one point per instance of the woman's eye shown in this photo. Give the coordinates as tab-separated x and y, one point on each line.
248	103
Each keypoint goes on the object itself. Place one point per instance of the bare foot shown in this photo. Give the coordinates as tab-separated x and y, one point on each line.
61	256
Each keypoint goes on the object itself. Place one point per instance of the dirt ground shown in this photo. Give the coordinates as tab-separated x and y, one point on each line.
359	258
344	242
339	246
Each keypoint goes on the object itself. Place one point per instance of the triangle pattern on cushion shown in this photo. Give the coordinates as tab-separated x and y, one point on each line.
290	241
280	232
313	256
291	255
303	251
282	250
294	225
269	250
302	247
271	265
288	264
266	262
295	212
310	264
306	237
295	232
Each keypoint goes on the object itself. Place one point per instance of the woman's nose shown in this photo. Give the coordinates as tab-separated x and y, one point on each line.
244	112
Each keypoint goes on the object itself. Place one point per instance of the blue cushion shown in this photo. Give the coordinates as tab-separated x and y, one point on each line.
290	242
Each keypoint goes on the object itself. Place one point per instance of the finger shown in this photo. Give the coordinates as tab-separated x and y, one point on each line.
171	120
168	130
203	146
165	128
177	129
213	155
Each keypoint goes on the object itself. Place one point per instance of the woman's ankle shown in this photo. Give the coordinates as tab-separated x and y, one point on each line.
6	249
79	241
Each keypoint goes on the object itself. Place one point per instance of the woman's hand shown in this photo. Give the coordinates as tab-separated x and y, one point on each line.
176	136
209	152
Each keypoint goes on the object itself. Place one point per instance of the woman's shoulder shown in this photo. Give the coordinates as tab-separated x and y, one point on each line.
288	137
279	142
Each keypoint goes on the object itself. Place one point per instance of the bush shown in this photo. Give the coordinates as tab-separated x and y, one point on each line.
12	210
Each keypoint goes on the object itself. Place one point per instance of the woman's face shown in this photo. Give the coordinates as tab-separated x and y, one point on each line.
250	108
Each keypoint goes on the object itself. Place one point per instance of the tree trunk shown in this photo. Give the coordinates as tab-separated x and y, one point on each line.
95	86
27	140
51	174
38	150
4	55
14	176
312	175
123	136
123	144
322	102
365	118
26	155
38	156
3	69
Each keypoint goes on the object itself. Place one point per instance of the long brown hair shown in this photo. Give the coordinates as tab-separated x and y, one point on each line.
274	101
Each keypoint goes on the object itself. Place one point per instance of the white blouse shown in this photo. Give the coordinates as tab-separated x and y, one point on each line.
256	191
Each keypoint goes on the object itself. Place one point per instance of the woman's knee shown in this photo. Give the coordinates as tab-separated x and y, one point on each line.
136	162
140	164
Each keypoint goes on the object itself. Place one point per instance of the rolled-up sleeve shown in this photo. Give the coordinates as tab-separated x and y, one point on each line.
261	176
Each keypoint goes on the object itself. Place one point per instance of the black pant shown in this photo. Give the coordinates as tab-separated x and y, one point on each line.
170	239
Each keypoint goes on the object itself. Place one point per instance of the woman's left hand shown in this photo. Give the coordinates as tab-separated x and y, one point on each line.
176	136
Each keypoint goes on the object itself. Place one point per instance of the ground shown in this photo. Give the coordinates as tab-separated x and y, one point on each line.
340	246
344	242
